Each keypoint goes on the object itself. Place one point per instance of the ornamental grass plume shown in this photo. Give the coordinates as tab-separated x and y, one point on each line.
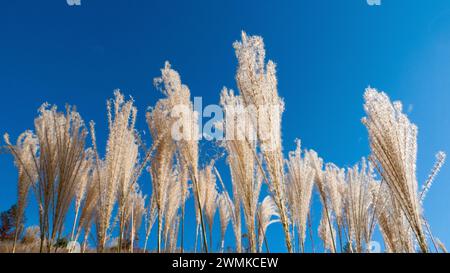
257	84
24	153
61	139
235	210
127	191
266	211
54	164
114	173
440	160
172	208
361	192
134	212
326	231
224	215
150	216
171	245
80	191
441	246
88	208
237	219
321	186
394	227
334	182
208	193
393	142
300	178
246	176
183	121
158	120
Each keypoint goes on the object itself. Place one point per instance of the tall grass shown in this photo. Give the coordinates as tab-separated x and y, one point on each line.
393	140
25	152
56	164
56	170
246	176
257	84
300	177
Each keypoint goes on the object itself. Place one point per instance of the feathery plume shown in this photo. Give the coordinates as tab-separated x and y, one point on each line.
235	210
393	141
208	194
334	186
136	205
80	191
172	207
394	227
300	178
150	219
225	216
183	121
317	163
24	153
441	246
246	177
325	233
88	206
440	160
266	211
257	84
360	196
60	139
115	173
161	165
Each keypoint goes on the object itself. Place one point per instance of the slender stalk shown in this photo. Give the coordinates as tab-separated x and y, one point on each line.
310	231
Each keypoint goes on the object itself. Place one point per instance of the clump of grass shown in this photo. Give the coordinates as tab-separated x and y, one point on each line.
180	114
54	164
114	175
54	169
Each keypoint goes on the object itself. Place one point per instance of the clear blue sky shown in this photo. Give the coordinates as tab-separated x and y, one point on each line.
327	52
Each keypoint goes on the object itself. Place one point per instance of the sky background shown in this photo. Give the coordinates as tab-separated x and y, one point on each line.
327	53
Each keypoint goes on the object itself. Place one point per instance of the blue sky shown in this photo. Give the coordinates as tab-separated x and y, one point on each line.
327	53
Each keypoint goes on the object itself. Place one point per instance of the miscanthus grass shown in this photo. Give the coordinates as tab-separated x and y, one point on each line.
257	83
112	210
225	216
25	152
360	192
245	174
393	141
300	176
55	170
